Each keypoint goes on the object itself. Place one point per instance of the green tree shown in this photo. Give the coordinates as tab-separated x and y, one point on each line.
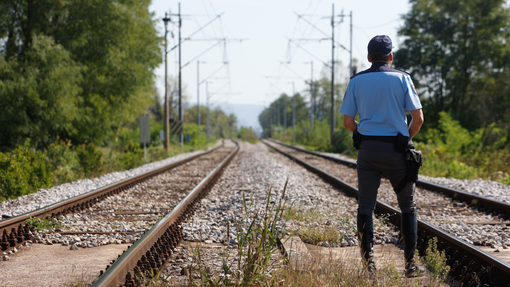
457	53
112	43
40	96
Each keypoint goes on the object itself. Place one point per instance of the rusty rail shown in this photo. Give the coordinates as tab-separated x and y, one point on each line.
478	201
19	232
469	263
154	248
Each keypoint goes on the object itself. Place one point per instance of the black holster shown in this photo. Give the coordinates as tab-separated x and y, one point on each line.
414	160
356	139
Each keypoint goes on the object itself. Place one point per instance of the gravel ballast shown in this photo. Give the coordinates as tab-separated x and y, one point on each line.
45	197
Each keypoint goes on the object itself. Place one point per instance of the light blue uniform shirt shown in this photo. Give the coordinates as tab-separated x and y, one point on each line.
381	95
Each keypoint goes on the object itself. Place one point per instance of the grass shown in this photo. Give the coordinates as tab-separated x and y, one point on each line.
46	223
259	262
307	215
315	235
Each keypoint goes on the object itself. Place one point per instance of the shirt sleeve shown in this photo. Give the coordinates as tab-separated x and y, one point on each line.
412	101
349	107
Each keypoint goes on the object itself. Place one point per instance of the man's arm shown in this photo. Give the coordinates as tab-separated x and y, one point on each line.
416	122
350	123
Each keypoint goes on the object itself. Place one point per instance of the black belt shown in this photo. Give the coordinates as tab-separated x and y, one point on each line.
387	139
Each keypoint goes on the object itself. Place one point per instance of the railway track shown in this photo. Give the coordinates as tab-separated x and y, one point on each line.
469	263
150	208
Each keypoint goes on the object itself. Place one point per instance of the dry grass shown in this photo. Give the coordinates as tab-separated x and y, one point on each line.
259	263
317	234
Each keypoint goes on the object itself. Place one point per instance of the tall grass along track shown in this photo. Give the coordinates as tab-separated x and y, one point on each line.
468	262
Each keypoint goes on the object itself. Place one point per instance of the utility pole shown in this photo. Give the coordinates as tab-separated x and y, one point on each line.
207	106
350	52
312	99
293	114
181	118
166	140
351	72
198	93
284	118
332	124
278	112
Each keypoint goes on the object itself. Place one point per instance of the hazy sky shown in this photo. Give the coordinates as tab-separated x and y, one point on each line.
257	70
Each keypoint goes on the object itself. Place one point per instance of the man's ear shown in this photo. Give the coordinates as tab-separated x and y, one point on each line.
368	58
391	56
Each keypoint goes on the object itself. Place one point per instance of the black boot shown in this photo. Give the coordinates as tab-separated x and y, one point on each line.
409	233
366	241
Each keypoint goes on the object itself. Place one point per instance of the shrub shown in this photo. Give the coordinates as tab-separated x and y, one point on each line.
435	261
90	159
46	223
198	137
247	134
131	156
63	160
23	171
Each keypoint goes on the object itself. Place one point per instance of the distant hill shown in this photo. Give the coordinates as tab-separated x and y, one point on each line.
247	114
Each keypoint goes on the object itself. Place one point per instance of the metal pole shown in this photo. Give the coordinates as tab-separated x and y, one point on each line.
332	127
350	52
207	104
166	140
293	114
284	118
198	93
181	119
278	112
312	100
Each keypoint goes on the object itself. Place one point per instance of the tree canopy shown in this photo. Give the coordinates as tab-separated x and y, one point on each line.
75	69
458	54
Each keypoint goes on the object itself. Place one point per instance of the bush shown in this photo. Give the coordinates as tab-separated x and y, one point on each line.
63	161
90	160
198	137
248	135
23	171
131	156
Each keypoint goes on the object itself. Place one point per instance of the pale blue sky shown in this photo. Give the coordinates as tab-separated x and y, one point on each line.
256	72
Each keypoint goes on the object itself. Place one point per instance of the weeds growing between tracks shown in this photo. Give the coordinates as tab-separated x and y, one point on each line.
256	260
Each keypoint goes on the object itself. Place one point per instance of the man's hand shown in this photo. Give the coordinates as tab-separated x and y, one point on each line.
350	123
416	122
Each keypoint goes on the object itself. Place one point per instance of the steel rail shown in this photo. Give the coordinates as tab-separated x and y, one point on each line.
18	233
479	201
469	263
120	272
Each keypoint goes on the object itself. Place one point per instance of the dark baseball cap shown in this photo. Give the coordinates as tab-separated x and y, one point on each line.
380	43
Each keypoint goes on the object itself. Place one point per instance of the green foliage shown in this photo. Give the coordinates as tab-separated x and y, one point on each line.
198	137
23	171
63	161
458	55
221	125
46	223
435	261
453	151
69	66
90	160
131	156
247	134
39	96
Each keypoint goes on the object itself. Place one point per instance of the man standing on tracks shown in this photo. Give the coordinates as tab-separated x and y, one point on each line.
381	95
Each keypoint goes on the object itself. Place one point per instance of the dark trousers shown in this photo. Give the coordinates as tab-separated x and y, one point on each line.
376	159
